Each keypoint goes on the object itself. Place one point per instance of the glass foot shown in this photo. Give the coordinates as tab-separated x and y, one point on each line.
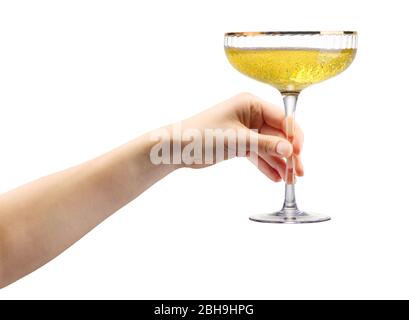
290	216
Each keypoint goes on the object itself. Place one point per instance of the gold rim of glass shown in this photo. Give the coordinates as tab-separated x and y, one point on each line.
290	33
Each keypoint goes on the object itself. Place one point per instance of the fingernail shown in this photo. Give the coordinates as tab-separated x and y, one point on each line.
283	148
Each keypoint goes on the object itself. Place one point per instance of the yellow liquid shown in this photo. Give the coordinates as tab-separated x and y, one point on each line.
290	70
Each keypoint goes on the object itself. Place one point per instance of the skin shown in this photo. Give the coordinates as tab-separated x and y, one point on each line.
43	218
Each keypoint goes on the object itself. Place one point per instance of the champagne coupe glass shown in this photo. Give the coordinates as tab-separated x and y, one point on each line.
290	62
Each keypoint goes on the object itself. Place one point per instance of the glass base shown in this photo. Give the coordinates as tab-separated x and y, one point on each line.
290	217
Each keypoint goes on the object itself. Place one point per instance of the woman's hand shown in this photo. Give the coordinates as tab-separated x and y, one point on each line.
41	219
247	112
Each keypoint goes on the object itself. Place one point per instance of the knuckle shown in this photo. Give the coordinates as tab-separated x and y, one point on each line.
246	96
267	147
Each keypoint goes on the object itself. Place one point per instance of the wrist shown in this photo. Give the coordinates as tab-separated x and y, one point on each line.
160	148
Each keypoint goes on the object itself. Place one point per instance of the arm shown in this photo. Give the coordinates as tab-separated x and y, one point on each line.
41	219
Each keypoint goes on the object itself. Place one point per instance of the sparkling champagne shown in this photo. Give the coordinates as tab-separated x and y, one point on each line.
290	69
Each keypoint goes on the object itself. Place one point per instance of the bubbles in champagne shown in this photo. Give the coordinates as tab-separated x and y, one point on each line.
290	69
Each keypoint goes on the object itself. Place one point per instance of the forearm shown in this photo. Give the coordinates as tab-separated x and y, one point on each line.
43	218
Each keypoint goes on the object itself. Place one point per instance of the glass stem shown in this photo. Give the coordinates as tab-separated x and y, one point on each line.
290	103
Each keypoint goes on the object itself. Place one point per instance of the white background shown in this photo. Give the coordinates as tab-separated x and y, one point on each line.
78	78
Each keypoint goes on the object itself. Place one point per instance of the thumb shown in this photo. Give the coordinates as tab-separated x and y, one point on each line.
274	146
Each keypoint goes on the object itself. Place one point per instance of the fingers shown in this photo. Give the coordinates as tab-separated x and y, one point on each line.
274	146
274	168
280	166
299	168
294	132
260	113
277	164
272	114
266	129
264	167
298	138
272	150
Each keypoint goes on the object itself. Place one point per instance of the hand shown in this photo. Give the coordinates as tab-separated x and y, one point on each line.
43	218
246	111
